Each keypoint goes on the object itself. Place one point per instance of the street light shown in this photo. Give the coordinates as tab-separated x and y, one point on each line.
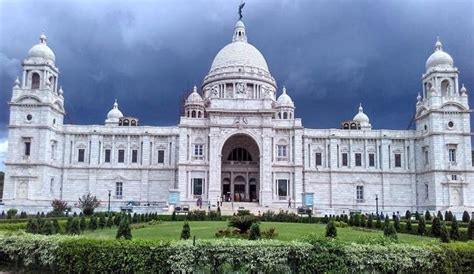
110	193
377	204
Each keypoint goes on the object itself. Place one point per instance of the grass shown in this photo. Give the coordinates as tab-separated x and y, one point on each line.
286	232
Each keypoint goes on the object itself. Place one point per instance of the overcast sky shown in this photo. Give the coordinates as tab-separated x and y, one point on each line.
331	55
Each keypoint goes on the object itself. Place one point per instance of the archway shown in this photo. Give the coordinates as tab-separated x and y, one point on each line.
240	169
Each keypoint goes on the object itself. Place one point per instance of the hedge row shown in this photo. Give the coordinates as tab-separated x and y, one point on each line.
79	254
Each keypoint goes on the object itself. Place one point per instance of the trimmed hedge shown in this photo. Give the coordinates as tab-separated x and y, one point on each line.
79	254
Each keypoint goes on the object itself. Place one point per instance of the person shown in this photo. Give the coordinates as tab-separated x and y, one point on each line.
289	202
220	200
199	202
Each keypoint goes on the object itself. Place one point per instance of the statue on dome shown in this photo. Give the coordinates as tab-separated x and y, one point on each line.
241	6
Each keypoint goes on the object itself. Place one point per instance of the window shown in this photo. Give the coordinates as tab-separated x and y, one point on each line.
426	191
282	186
360	193
344	159
27	147
358	159
51	186
371	159
281	152
454	177
29	117
81	155
198	186
107	156
319	159
161	156
121	156
398	160
118	190
199	151
452	155
240	155
53	150
35	81
450	124
472	158
426	156
134	156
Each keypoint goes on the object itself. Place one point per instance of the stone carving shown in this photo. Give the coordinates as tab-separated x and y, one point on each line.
240	88
240	122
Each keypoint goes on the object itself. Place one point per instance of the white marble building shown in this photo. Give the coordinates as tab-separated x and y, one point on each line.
239	140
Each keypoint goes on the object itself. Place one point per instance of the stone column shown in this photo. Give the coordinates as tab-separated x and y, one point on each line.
214	165
266	167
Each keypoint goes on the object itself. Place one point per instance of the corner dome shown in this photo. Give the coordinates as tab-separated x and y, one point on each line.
284	100
114	113
41	50
194	97
439	58
361	117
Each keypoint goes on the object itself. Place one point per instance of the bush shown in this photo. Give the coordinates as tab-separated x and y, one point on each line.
83	223
59	207
408	227
454	232
427	215
57	228
436	227
370	221
75	227
331	231
102	222
389	230
378	224
11	213
173	216
88	203
68	225
254	233
110	222
47	228
243	212
185	232
243	223
93	223
421	226
32	226
396	224
470	230
270	233
465	217
408	215
124	231
417	216
440	215
444	234
357	220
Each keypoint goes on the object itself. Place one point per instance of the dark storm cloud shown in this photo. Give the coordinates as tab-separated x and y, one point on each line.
331	55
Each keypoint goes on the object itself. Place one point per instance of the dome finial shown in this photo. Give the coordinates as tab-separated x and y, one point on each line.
284	90
43	38
195	89
438	45
361	109
115	104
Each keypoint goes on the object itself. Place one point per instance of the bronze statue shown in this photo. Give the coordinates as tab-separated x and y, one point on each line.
241	6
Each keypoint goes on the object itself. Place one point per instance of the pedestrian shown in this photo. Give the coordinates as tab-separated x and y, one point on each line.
289	202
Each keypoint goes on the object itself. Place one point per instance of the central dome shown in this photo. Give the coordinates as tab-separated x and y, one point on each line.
239	53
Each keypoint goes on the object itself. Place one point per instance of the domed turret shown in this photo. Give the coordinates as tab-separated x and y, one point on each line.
284	100
362	119
41	51
114	115
194	97
439	58
285	107
194	106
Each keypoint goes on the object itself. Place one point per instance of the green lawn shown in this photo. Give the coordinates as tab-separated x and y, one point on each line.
286	232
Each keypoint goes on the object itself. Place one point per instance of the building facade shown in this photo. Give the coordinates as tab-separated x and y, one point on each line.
239	141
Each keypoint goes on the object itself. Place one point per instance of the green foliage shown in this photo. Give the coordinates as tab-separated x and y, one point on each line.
11	213
83	223
88	203
117	219
408	227
56	226
254	233
185	232
93	223
427	215
396	224
243	223
75	228
454	232
102	222
59	207
281	216
417	216
408	215
378	224
68	225
32	226
363	221
173	216
331	230
370	221
465	217
470	230
47	228
440	215
357	219
389	230
197	215
270	233
436	227
421	226
444	234
110	221
124	231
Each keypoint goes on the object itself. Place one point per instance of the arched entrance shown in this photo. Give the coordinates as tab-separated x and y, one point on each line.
240	169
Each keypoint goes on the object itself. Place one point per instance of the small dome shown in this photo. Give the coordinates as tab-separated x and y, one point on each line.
463	89
439	58
284	100
194	97
114	113
41	50
361	117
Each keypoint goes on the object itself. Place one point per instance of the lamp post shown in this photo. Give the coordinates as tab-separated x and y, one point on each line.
110	193
377	204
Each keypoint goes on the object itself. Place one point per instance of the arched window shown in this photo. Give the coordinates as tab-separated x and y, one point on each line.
240	155
353	126
346	126
290	116
126	122
35	81
187	114
279	115
134	123
285	115
193	114
199	114
445	88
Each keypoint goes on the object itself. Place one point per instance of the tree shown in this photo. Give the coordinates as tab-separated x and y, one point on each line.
465	217
421	226
186	231
357	220
32	226
47	228
417	216
444	234
102	221
436	227
82	223
87	203
470	230
363	220
370	221
57	228
243	223
11	213
93	223
331	230
59	207
408	215
378	224
110	221
124	231
440	215
408	226
68	225
254	233
454	232
396	224
389	230
428	215
75	227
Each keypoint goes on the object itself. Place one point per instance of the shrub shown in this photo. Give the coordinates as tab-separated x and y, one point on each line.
173	216
378	224
57	228
436	227
326	219
440	215
11	213
269	233
221	233
470	230
243	212
408	227
396	224
389	230
444	234
68	225
93	223
331	230
370	221
363	221
47	228
102	222
185	232
124	231
23	215
243	223
254	233
417	216
408	215
454	232
110	221
357	219
75	227
421	226
32	226
427	215
465	217
59	207
88	203
117	219
214	215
